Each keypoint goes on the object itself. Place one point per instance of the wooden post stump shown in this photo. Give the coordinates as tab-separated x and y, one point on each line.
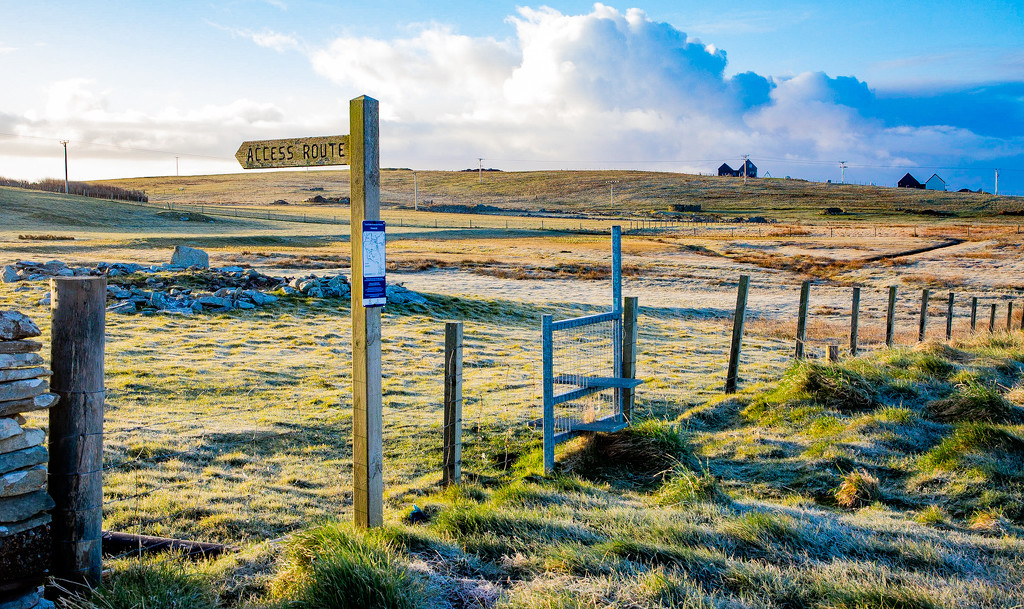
923	322
854	321
890	316
737	334
451	471
801	320
78	308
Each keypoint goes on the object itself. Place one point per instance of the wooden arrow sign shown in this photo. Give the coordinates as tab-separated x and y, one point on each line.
297	152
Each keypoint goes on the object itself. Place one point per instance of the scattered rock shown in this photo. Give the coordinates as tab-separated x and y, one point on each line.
10	274
22	459
8	529
21	390
28	439
19	374
39	402
23	481
19	346
187	257
28	600
13	509
9	428
20	360
15	326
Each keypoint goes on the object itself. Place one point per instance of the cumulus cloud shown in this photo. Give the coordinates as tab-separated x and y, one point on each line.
611	87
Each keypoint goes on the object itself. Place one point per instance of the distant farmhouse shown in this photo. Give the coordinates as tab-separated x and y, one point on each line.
935	183
908	181
725	170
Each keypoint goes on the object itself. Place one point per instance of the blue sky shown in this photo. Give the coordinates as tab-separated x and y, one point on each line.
677	86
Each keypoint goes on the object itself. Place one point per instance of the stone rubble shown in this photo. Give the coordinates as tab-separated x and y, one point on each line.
25	542
227	288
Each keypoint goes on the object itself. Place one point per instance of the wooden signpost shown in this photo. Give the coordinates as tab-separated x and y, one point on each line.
361	152
297	152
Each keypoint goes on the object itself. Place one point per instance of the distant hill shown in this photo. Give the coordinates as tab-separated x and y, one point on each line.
593	192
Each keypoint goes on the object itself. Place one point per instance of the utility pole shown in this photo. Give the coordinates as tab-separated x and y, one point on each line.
65	142
745	158
842	172
176	174
480	168
997	183
415	192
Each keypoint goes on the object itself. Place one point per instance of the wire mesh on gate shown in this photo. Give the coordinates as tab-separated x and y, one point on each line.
581	354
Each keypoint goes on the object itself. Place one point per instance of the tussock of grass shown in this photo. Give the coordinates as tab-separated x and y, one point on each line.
970	442
858	489
638	456
686	486
152	582
336	566
974	402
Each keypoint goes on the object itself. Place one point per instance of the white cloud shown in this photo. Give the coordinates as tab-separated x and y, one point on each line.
273	40
610	87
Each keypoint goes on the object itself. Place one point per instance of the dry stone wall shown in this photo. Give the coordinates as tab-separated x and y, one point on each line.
187	285
25	543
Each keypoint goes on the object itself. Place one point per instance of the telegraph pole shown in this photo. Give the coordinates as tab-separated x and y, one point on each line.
745	158
480	168
65	142
842	172
176	174
997	183
415	192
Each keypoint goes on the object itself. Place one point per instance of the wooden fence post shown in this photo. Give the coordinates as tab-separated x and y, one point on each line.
367	394
949	317
924	315
630	315
854	321
890	316
1009	316
451	464
833	353
78	308
992	319
737	334
801	320
974	313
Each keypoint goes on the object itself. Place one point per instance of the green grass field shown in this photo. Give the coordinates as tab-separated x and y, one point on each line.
888	480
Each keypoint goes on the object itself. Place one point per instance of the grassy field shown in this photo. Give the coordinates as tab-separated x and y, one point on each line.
636	193
890	480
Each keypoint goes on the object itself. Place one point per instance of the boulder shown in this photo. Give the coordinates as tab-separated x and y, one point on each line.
214	302
10	274
126	306
15	325
189	256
